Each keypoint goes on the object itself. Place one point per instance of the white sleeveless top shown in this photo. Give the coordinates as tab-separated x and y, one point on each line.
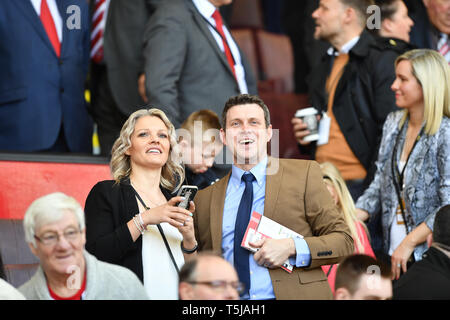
160	275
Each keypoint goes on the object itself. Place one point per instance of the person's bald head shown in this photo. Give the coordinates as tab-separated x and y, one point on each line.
208	277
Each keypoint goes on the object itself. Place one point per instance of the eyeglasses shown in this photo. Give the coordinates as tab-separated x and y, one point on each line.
52	238
221	285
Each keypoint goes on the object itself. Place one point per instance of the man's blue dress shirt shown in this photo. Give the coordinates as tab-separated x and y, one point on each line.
261	284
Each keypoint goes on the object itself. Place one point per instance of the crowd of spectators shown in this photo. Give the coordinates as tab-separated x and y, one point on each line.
171	93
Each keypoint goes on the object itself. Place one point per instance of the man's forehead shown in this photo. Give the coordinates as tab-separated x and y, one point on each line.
245	111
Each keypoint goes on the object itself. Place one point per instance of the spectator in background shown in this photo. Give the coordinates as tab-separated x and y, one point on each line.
199	141
133	220
430	277
412	179
116	62
299	26
44	57
395	23
393	39
191	59
208	277
431	25
360	277
351	84
343	200
55	231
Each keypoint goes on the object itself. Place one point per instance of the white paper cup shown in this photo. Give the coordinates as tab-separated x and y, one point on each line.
309	116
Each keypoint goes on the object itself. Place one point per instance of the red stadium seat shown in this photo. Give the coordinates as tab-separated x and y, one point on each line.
26	177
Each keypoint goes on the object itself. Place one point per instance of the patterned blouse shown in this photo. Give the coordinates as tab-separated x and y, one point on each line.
426	179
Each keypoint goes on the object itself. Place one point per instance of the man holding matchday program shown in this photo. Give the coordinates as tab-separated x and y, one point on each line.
290	192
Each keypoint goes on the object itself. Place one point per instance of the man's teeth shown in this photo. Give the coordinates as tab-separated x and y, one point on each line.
245	141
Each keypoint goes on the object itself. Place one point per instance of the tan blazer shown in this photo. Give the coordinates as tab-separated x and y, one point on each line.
297	198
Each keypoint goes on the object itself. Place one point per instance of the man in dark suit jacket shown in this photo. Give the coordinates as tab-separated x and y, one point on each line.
290	192
114	81
185	68
42	104
431	20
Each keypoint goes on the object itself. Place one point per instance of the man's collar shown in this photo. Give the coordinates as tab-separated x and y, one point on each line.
345	48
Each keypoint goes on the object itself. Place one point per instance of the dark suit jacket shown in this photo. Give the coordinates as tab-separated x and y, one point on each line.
39	91
428	278
185	69
363	97
123	45
108	208
297	198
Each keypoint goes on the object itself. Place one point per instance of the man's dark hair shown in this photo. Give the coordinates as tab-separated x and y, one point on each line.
245	99
441	227
350	271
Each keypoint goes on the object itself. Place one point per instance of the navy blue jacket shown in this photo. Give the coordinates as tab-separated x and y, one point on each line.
39	92
420	34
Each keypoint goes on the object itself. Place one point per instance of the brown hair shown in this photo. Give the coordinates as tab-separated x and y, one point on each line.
353	267
208	119
360	6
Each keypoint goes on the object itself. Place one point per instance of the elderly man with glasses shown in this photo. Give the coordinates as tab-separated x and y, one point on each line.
55	231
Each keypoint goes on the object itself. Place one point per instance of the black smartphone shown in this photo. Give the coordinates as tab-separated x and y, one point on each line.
188	192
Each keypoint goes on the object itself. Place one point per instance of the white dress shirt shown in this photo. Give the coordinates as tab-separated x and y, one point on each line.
57	19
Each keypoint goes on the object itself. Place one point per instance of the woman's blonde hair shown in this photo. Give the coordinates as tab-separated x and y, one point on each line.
432	72
172	173
332	177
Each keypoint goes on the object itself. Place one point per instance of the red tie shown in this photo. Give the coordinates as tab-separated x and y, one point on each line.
49	26
219	26
97	31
